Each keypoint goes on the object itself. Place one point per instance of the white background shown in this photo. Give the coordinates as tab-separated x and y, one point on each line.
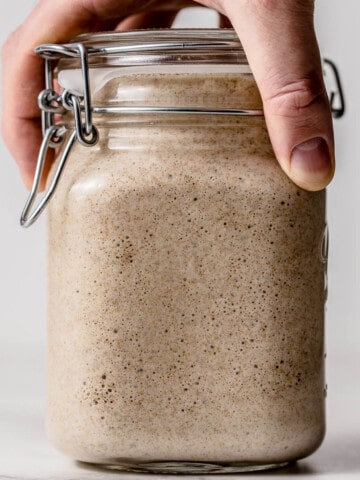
22	270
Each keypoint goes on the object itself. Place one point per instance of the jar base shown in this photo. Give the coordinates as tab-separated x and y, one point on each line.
190	468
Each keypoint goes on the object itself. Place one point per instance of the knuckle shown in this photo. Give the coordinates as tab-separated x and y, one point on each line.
294	97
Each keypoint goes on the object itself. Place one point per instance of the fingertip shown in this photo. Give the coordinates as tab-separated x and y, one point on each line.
312	164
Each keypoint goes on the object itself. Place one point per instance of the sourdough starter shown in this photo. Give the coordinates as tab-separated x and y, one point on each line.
186	286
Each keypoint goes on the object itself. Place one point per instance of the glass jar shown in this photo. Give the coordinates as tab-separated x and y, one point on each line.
186	271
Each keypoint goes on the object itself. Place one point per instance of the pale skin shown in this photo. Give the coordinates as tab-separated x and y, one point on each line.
279	40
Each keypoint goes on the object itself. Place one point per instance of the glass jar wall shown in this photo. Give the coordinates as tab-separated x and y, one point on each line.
186	273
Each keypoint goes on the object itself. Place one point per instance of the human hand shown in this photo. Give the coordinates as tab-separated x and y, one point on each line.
279	40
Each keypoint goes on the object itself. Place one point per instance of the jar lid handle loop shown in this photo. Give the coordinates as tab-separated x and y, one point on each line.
336	95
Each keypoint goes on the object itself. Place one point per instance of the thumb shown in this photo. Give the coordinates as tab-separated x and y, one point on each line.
279	40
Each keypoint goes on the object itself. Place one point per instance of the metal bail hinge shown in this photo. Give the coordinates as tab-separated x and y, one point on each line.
51	102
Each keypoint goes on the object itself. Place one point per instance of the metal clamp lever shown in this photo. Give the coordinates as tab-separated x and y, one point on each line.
29	215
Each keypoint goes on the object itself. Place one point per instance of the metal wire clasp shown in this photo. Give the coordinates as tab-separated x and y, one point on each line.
51	103
28	215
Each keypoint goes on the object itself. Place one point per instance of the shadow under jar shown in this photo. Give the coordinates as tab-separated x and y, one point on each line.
186	271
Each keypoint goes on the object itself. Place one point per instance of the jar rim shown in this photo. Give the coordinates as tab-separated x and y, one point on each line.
120	41
208	46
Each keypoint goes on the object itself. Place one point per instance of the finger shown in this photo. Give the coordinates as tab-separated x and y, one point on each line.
22	81
20	116
49	22
148	20
280	43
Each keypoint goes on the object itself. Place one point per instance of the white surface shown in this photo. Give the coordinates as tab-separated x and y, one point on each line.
25	452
